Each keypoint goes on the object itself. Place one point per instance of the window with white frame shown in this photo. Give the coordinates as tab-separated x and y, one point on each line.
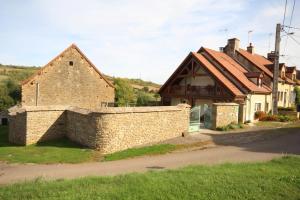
257	107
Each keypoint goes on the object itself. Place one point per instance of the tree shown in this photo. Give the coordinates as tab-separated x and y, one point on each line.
5	100
143	98
124	92
14	90
156	96
145	89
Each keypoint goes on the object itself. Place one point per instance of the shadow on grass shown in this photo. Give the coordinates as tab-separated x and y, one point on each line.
60	142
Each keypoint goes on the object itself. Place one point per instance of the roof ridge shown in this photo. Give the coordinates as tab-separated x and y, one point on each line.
238	75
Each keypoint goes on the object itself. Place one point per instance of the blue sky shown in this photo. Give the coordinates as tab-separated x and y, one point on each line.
136	38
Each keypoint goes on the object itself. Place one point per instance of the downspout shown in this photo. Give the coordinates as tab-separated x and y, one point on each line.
37	91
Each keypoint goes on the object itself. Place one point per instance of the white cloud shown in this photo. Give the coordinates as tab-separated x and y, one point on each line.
140	38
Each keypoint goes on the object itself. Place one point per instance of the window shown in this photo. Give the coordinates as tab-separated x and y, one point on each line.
257	107
71	63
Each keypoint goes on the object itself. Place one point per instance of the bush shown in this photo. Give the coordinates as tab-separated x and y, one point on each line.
259	114
144	98
286	118
269	118
286	109
230	126
124	94
278	118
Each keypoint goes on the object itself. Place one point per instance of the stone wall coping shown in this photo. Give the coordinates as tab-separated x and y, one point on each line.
44	108
104	110
114	110
225	104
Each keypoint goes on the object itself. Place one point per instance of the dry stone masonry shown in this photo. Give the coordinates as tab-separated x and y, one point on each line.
224	114
106	129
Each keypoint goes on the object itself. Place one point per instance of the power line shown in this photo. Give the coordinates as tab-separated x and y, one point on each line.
291	19
284	12
292	27
292	14
294	39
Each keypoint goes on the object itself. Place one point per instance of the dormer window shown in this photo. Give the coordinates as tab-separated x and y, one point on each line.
259	82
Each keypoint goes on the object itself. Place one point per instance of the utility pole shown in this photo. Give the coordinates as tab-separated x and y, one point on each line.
276	71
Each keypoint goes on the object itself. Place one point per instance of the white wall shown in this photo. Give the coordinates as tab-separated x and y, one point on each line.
252	99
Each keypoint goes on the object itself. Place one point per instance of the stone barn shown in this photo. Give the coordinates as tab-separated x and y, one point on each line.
70	79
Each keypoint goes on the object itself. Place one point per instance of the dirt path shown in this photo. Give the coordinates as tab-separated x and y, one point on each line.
283	141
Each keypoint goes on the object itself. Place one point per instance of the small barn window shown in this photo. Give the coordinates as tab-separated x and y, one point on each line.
71	63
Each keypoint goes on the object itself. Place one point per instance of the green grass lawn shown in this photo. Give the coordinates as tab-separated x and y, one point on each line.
277	179
134	152
58	151
65	151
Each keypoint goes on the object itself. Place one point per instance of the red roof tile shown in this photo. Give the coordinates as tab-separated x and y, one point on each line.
258	60
212	69
236	70
218	74
254	74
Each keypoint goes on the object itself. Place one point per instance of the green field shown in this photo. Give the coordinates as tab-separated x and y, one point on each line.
277	179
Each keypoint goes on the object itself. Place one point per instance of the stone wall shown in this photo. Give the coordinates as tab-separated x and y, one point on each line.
81	127
30	125
124	128
224	114
105	129
17	127
60	83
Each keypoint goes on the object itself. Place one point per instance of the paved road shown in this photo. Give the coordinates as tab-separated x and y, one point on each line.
264	150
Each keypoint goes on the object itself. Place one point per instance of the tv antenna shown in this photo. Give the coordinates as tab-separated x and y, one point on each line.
249	35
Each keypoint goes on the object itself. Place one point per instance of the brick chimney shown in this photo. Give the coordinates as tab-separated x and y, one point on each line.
250	48
232	46
271	56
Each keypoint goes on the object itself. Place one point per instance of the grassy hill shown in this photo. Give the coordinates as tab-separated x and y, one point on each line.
20	73
11	77
16	73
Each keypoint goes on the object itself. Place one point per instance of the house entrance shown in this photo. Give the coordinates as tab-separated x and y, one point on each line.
200	118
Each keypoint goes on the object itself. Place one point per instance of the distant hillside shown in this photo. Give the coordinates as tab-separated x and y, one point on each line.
15	73
20	73
138	83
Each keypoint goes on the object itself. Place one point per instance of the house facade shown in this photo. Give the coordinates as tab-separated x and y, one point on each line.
70	79
253	62
229	75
